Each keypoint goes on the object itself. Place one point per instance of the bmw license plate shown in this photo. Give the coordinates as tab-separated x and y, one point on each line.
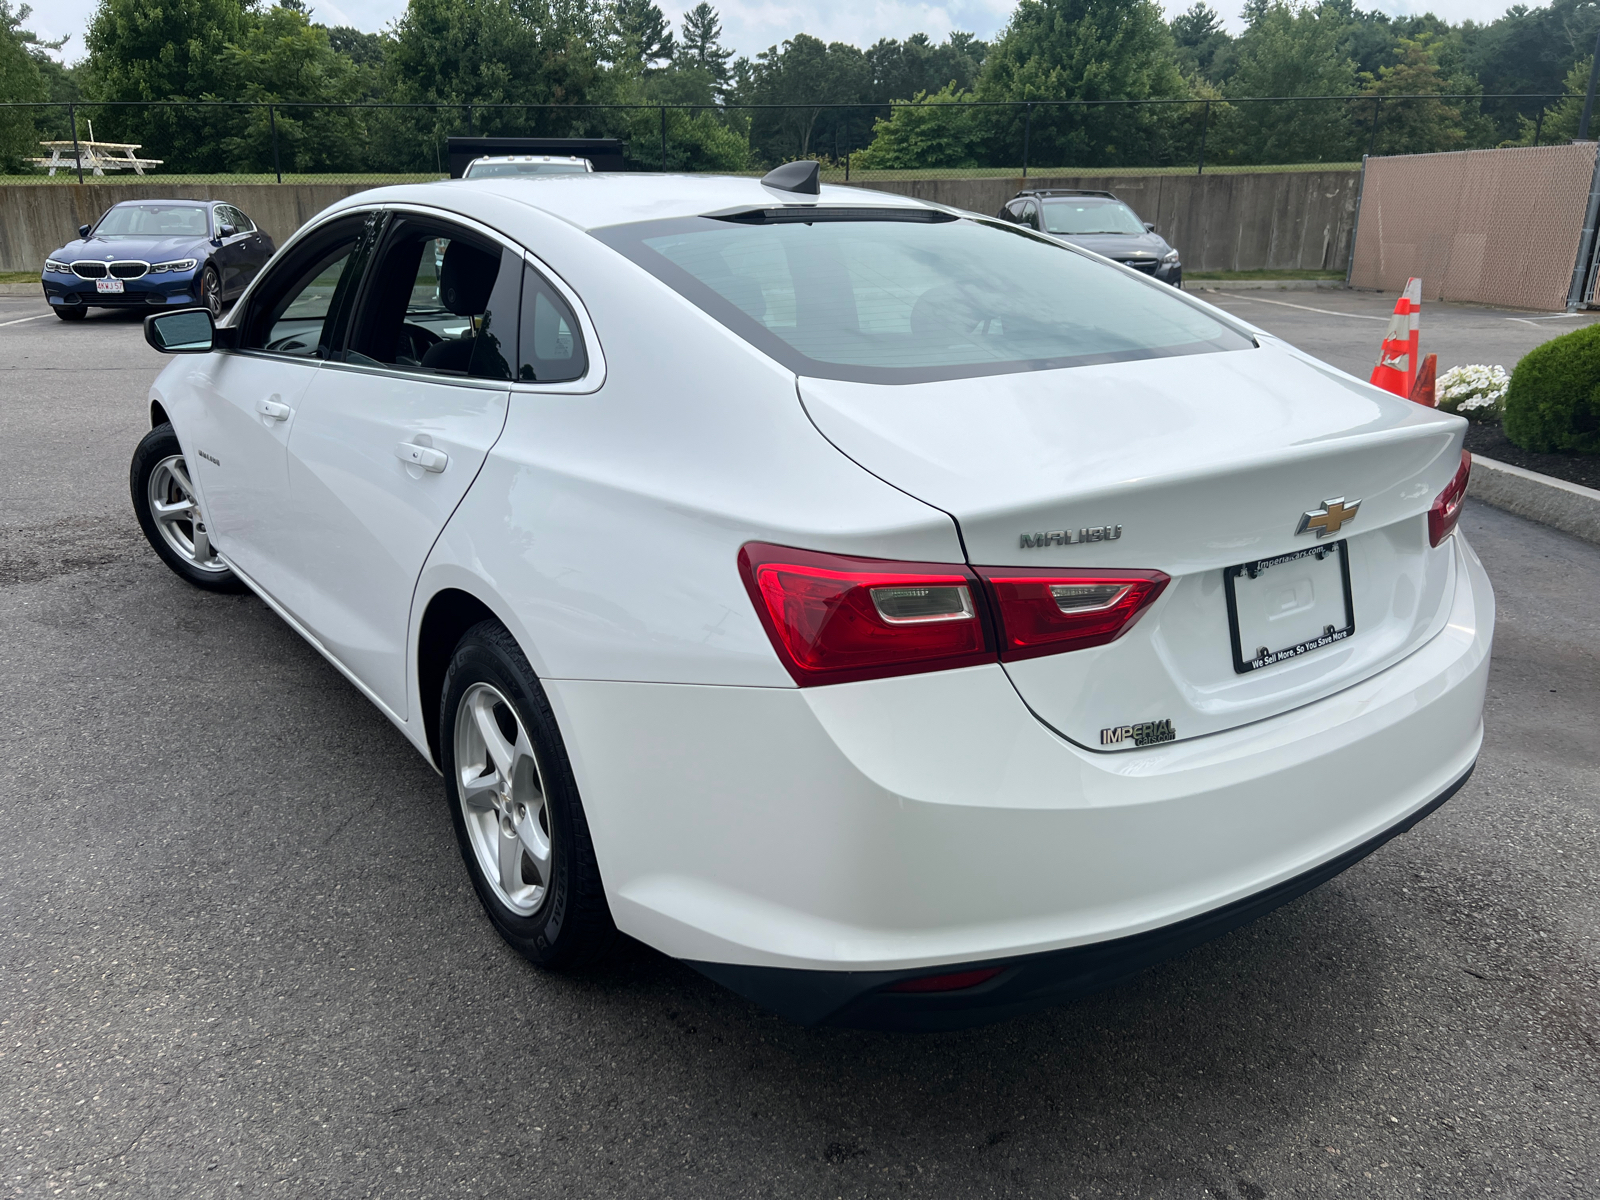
1280	608
108	285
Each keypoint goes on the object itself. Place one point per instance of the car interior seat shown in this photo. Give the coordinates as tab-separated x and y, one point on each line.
466	280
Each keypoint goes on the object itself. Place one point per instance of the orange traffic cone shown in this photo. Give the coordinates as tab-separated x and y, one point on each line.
1397	362
1422	389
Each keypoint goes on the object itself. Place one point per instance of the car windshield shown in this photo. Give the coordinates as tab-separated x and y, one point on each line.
153	220
483	170
909	300
1090	216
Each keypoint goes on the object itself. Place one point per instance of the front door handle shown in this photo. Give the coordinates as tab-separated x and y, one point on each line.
425	457
273	410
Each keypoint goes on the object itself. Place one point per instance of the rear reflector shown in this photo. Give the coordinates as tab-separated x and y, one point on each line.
956	982
834	618
1446	510
1047	612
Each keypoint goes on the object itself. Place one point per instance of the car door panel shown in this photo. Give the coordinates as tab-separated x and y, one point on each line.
239	429
367	517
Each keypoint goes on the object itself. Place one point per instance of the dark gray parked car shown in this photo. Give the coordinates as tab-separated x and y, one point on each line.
1100	222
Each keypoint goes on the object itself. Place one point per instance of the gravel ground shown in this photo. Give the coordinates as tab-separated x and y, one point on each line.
239	956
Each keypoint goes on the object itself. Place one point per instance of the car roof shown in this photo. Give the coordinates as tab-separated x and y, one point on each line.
180	202
594	200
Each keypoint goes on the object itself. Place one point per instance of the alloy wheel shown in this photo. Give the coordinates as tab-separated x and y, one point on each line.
177	515
503	800
211	292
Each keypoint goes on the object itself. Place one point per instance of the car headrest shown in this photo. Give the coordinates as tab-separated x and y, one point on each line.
466	278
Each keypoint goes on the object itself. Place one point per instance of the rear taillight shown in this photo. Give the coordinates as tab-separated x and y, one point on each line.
1047	612
834	618
1446	510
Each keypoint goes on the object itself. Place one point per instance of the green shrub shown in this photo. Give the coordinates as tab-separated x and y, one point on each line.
1553	403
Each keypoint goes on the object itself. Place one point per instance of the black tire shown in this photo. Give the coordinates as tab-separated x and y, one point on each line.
70	312
211	291
156	453
571	926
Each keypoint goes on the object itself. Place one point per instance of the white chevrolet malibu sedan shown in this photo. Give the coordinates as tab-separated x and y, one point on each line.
903	618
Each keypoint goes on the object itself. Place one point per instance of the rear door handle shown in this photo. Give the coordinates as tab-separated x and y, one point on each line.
272	409
425	457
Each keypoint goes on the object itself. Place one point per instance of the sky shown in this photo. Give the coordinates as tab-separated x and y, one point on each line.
750	26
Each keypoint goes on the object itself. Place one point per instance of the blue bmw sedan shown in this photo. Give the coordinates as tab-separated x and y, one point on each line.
148	253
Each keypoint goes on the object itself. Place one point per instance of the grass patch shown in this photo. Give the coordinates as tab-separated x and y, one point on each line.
19	277
1263	274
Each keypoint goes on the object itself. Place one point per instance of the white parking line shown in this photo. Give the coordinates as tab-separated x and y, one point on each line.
1536	320
1327	312
20	320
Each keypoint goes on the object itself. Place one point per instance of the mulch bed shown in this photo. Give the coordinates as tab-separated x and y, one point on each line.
1491	442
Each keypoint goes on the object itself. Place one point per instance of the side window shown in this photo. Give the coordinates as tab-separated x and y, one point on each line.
1030	215
297	307
441	303
550	349
241	222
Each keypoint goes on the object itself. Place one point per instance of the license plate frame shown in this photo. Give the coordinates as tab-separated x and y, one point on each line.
112	287
1253	571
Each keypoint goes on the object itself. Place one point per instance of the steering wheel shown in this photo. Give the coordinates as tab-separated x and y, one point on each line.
415	341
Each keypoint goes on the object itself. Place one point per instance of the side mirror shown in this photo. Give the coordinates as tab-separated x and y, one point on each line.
83	231
226	231
1149	226
187	331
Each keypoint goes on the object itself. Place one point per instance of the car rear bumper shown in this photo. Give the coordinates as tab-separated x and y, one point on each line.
818	844
867	999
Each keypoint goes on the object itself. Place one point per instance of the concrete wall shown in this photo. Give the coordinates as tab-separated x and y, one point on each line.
37	218
1282	220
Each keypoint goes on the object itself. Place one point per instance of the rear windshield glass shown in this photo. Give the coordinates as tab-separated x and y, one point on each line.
1090	216
153	220
483	170
889	301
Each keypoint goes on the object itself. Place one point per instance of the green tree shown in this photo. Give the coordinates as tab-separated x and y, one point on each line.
901	70
1096	50
804	76
1423	126
1528	51
941	130
700	45
282	56
1203	45
20	81
447	54
1562	118
637	31
167	50
1291	49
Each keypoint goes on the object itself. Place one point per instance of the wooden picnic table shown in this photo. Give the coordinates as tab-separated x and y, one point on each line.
98	157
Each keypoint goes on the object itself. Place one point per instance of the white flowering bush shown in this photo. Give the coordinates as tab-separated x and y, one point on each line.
1477	392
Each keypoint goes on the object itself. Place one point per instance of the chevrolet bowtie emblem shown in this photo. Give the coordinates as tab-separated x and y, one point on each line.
1329	518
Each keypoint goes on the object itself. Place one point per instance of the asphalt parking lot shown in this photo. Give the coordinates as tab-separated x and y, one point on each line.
239	955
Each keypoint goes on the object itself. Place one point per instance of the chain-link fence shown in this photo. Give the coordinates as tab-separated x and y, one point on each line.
303	142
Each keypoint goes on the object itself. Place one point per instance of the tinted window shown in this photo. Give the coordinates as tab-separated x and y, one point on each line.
901	301
297	305
154	220
1090	216
551	347
483	170
440	303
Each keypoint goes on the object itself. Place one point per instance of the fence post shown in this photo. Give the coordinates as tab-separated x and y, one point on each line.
469	120
77	155
1205	124
1027	133
1580	269
847	166
663	137
1538	127
1372	140
272	117
1355	226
